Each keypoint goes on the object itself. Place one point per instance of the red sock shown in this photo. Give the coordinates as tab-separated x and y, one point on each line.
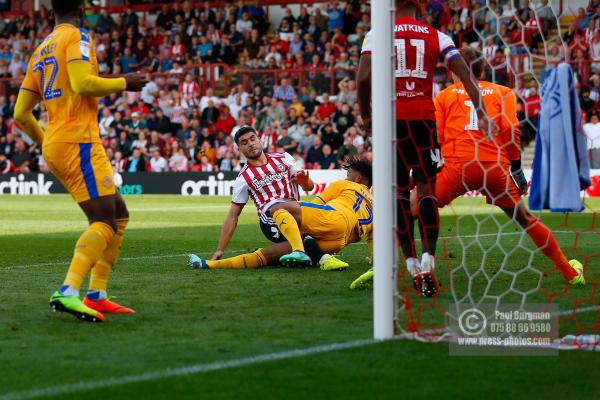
544	240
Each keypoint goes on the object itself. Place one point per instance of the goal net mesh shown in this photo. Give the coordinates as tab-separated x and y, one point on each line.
483	256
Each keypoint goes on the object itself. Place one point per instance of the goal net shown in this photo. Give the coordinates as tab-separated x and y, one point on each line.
485	261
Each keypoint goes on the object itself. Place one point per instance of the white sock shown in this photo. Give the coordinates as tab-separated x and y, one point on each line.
412	265
324	258
67	290
427	263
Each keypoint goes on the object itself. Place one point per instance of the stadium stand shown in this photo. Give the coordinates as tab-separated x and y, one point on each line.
214	69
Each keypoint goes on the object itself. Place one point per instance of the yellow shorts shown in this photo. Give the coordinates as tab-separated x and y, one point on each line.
82	168
330	227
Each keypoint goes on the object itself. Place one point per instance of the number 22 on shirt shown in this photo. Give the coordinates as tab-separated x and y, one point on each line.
49	64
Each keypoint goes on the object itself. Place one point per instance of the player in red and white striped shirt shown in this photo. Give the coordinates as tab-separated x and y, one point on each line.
271	181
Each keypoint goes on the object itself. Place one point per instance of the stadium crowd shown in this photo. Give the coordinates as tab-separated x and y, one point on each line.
175	125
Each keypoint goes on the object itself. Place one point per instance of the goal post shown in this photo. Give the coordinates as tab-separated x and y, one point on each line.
383	123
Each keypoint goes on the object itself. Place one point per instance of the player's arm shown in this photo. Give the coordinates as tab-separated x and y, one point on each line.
511	138
363	84
85	83
440	116
228	229
26	102
364	89
303	179
299	176
330	193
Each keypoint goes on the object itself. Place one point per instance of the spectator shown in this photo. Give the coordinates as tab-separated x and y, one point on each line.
190	91
288	144
314	155
284	92
137	162
592	131
329	161
107	129
124	144
128	61
205	165
343	119
22	159
348	93
348	151
157	141
157	162
209	96
119	162
326	108
210	115
225	123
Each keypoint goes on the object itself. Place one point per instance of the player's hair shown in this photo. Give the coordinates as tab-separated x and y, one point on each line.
363	167
242	131
62	7
475	59
405	4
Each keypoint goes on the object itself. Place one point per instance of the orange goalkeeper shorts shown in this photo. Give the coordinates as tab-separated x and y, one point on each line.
489	178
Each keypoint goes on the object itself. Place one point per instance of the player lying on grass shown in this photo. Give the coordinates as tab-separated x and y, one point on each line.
493	168
341	215
271	180
63	74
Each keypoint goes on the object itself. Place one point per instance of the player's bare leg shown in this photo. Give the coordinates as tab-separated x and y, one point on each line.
97	297
543	238
429	225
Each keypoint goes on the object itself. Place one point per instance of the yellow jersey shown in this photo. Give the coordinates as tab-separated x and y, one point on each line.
355	201
72	118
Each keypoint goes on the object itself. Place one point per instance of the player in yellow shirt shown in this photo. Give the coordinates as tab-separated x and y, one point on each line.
63	73
341	215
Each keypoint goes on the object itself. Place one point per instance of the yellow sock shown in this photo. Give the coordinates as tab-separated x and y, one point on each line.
101	271
249	260
289	228
88	250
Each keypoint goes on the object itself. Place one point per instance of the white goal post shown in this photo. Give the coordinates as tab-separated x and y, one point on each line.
383	101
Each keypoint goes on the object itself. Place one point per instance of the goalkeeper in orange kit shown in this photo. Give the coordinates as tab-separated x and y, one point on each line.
63	74
492	167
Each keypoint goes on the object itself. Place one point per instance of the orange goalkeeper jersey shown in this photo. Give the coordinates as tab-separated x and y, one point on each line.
72	118
458	132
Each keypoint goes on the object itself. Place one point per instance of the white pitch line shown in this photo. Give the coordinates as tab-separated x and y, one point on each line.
207	367
184	371
58	263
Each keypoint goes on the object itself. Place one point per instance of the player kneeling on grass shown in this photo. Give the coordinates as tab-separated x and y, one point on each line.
492	167
271	180
341	215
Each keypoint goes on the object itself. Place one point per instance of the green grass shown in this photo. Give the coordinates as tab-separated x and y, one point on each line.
196	317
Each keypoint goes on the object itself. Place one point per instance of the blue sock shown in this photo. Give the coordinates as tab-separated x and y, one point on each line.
96	295
67	290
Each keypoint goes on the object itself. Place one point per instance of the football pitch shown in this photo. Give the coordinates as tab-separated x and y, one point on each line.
270	333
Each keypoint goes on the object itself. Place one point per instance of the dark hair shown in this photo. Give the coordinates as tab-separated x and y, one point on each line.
61	7
475	60
363	167
242	131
